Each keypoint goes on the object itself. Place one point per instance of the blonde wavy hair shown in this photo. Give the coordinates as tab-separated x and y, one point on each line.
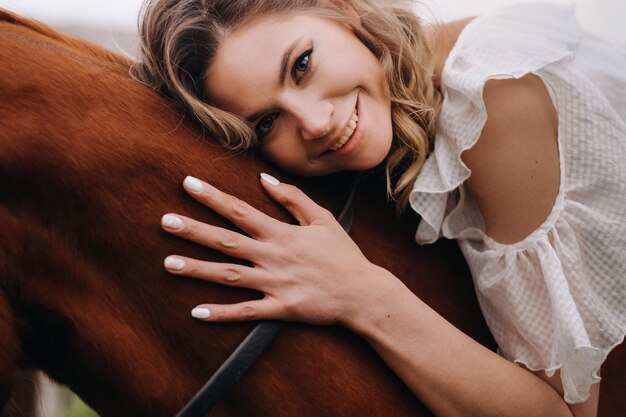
180	38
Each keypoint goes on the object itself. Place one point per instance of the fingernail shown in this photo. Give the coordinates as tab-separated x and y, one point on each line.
175	263
193	184
172	222
201	313
269	179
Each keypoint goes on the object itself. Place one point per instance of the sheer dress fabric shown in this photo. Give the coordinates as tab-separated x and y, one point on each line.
557	299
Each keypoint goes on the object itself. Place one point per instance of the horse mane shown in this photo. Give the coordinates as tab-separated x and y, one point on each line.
73	42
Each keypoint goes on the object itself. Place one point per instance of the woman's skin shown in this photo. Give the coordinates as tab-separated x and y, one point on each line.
324	278
328	75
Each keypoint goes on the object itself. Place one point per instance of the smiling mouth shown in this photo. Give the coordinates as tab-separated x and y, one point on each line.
347	134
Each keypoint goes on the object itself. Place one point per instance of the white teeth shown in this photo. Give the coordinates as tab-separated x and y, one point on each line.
349	131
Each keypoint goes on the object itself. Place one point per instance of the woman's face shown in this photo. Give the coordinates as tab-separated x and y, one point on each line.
312	91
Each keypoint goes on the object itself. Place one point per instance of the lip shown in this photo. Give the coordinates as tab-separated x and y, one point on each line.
354	139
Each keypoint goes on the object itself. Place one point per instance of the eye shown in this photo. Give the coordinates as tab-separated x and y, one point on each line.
301	65
265	125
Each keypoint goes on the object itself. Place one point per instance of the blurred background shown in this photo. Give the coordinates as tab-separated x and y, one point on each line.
113	23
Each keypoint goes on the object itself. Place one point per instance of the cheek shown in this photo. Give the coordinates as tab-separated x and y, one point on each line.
383	131
282	153
349	63
380	115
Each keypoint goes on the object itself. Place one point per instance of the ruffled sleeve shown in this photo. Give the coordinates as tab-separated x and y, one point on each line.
547	308
554	301
483	51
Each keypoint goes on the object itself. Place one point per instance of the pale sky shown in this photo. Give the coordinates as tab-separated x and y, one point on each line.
603	17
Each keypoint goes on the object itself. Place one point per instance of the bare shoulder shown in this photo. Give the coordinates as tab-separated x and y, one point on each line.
515	163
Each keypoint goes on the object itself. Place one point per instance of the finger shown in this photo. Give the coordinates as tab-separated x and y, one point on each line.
305	210
223	240
249	219
264	309
220	273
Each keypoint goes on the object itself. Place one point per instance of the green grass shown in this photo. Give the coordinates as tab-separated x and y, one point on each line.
76	408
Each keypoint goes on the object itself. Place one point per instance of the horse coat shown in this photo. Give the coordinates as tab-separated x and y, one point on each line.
89	161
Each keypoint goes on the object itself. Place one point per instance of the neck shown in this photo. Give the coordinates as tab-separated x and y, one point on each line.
441	38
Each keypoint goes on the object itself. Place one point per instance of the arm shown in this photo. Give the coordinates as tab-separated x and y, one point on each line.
450	372
515	180
331	281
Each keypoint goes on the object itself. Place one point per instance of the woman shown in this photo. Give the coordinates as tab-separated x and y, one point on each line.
524	127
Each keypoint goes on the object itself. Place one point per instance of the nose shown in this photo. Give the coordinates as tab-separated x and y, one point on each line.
314	118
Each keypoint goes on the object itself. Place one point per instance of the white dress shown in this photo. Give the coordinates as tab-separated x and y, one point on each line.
557	299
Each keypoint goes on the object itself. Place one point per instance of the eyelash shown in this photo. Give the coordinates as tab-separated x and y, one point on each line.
306	55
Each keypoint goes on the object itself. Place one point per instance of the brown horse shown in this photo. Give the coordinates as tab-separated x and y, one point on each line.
89	161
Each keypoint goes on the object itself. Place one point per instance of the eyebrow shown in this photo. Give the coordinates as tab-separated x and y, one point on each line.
283	74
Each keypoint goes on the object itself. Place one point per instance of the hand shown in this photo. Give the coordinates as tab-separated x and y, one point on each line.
311	272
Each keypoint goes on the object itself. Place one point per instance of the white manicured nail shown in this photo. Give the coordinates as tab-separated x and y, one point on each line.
175	263
193	184
201	313
269	179
173	222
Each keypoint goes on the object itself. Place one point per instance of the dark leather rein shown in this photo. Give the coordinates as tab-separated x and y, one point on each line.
250	349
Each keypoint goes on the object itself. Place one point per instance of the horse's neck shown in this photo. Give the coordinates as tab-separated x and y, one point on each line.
90	160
